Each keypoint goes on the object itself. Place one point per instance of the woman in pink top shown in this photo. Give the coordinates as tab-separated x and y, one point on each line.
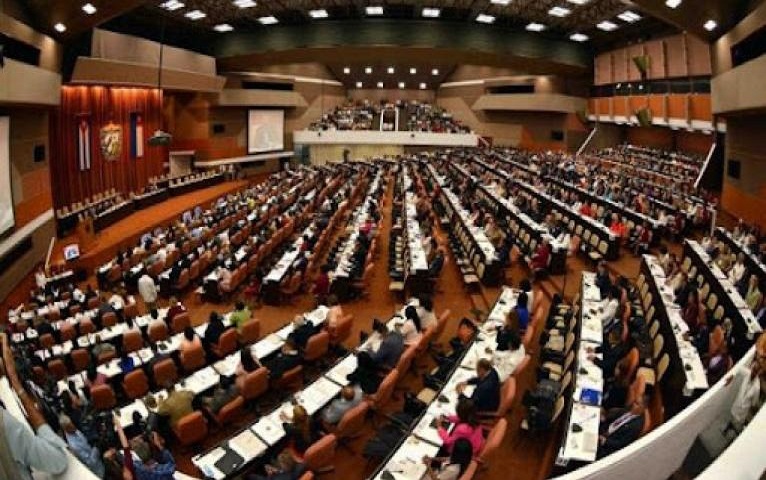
466	426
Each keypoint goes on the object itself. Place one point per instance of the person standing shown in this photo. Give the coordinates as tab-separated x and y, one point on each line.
148	290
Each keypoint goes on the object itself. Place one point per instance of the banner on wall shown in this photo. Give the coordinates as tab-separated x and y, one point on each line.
83	142
136	135
111	141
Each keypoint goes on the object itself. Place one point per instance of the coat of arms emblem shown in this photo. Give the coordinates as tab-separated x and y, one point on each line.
111	141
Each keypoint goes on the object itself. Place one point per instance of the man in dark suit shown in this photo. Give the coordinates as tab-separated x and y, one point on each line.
302	331
486	395
621	427
390	349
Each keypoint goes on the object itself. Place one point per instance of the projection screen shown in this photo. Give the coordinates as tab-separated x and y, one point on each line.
7	219
265	131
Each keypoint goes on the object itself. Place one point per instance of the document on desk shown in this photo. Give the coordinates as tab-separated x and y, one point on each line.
247	445
206	463
340	371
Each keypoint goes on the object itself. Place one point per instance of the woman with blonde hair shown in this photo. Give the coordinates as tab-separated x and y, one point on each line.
300	432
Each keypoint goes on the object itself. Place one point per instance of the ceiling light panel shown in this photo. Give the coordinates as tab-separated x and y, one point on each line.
673	3
89	8
172	5
269	20
501	2
223	27
579	37
559	12
710	25
244	3
195	15
319	13
629	16
431	12
60	27
374	10
484	18
535	27
606	26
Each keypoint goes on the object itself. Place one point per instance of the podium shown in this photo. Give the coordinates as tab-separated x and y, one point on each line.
85	234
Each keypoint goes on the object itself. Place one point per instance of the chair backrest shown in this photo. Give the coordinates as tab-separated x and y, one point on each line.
494	439
132	341
385	390
181	321
470	472
165	372
80	359
716	341
321	453
231	410
507	395
255	383
158	331
47	340
58	369
647	422
525	361
441	323
135	384
130	310
659	342
353	421
67	332
317	346
191	429
632	363
193	359
227	343
342	330
662	366
103	397
250	331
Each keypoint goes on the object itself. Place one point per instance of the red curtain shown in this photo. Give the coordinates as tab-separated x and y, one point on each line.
103	106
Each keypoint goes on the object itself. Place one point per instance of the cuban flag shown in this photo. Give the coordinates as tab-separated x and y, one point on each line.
83	143
136	135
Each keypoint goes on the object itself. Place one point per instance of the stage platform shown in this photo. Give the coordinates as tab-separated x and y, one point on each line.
126	232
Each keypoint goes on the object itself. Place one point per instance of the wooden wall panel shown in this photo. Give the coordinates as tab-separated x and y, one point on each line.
657	106
677	61
696	142
656	51
637	102
678	106
620	60
654	137
699	57
603	69
621	107
700	107
634	51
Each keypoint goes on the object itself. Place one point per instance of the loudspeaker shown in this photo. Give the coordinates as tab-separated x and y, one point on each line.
218	128
557	135
39	153
642	64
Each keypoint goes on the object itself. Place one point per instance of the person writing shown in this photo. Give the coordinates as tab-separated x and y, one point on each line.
486	395
466	427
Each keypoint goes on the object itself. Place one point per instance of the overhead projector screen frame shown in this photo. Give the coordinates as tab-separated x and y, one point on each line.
7	213
270	140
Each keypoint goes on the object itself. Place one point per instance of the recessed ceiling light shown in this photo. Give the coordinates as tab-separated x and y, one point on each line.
578	2
401	84
368	70
244	3
60	27
413	71
270	20
195	15
223	27
535	27
89	8
380	84
346	70
377	10
390	70
629	16
579	37
320	13
710	25
358	84
559	11
422	86
172	5
501	2
431	12
435	71
673	3
606	26
484	18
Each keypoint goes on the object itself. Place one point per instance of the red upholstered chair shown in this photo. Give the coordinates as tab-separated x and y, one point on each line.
494	439
352	423
131	310
254	384
109	319
132	341
80	359
103	397
231	411
165	373
379	399
193	359
67	332
291	380
135	384
342	330
57	369
319	456
47	340
86	326
158	331
227	343
180	322
316	346
250	332
191	429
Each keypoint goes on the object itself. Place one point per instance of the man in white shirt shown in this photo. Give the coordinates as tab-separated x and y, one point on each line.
117	301
148	290
609	307
738	269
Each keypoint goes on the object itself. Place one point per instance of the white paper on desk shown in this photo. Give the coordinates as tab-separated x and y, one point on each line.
247	445
207	463
268	430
